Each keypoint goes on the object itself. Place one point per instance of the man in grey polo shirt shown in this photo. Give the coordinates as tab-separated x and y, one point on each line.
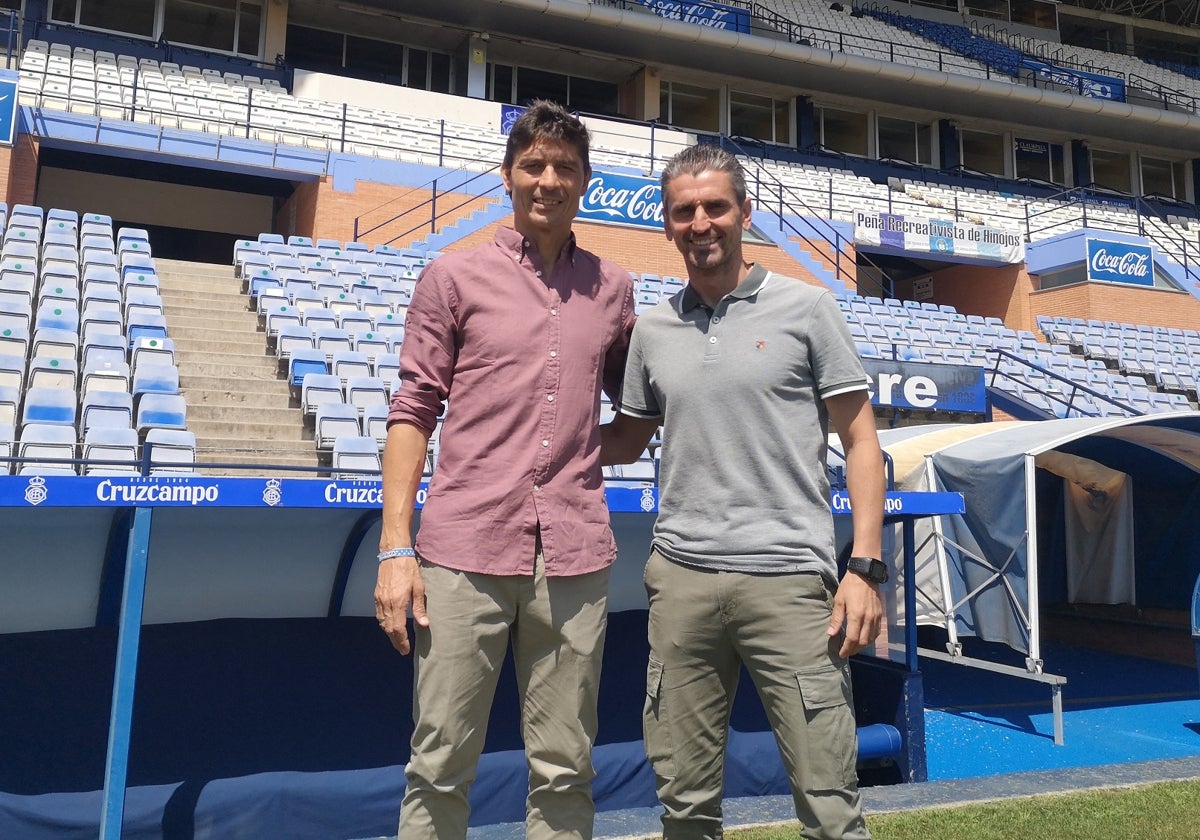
744	369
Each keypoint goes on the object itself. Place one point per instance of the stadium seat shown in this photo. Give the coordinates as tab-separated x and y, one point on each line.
374	423
318	388
51	372
172	451
145	326
107	443
7	437
164	411
55	406
112	409
358	454
105	371
10	403
154	378
302	363
148	350
333	420
12	370
41	441
364	391
349	363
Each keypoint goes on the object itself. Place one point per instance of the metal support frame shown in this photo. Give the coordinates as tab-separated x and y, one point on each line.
116	768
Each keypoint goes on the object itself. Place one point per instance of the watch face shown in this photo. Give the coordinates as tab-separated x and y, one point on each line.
873	570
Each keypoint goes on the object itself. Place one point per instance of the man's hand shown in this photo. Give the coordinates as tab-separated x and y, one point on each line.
397	587
859	607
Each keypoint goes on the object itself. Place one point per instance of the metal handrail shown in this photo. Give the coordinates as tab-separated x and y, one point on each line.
1075	388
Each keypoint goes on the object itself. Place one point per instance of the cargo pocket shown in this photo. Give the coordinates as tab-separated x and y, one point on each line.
656	725
830	736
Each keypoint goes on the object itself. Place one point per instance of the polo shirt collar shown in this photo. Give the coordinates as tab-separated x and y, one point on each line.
755	280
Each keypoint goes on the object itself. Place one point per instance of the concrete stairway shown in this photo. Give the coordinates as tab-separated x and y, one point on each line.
238	402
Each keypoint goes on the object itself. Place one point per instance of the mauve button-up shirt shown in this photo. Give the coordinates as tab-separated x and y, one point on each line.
519	363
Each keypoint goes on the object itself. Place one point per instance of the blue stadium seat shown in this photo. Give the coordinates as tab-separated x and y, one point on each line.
56	406
154	378
164	411
302	363
145	326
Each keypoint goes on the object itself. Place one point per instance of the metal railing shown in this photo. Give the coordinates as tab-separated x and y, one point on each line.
1075	392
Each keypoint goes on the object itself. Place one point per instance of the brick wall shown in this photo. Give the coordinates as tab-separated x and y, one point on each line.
1114	302
18	170
320	211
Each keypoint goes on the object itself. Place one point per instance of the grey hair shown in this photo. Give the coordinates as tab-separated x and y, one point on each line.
706	158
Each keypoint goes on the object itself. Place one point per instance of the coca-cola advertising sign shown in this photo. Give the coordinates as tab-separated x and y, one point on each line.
1120	262
712	15
622	199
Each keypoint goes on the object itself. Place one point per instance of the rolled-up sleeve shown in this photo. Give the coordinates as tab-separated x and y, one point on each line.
427	354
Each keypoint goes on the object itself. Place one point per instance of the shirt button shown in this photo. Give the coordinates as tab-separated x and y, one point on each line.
549	398
553	354
545	443
553	311
716	319
538	273
712	339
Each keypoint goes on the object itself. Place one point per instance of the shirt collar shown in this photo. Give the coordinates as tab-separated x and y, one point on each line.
513	242
755	280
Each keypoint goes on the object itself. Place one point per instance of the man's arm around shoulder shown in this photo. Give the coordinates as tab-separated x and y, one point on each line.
623	440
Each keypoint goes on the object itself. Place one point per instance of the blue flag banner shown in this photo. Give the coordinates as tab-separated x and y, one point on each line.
1119	262
1094	85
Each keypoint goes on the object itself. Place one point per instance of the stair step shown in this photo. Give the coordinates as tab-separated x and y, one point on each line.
232	399
248	435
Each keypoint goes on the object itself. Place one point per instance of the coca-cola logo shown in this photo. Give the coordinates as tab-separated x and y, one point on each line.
698	13
623	199
1130	264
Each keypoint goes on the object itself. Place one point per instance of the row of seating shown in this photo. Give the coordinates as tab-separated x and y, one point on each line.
85	360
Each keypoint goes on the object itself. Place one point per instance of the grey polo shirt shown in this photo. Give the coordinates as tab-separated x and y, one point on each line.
740	391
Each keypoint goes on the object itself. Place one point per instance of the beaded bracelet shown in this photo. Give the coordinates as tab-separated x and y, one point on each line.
396	552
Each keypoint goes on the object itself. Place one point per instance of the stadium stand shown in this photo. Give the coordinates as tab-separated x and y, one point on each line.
133	350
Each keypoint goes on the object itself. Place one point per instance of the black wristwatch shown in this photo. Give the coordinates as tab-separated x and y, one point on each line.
873	570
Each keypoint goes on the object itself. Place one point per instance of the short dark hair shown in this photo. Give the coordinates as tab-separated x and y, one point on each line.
545	120
705	158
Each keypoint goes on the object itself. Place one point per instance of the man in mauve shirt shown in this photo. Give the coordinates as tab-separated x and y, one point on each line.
515	339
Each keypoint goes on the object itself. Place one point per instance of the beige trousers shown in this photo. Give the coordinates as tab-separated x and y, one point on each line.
557	626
